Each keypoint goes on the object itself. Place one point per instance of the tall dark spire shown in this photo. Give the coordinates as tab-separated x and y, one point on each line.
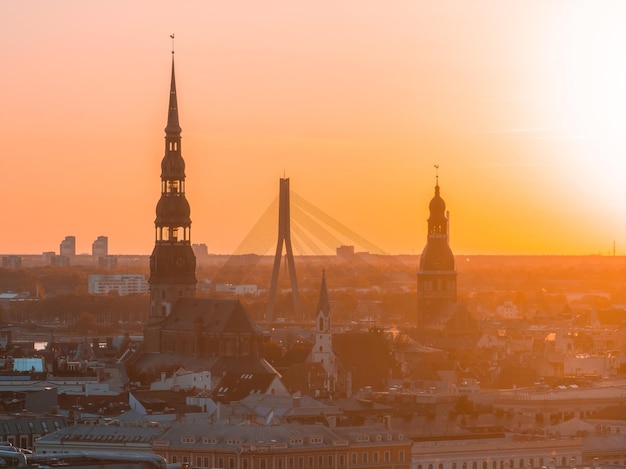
172	263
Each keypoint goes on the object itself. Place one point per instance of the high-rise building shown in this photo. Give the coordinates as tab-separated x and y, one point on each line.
172	263
68	246
436	278
100	247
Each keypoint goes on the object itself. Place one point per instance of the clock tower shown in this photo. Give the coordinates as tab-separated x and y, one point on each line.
436	278
172	263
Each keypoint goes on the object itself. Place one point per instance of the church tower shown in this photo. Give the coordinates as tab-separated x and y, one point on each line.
436	278
322	351
172	263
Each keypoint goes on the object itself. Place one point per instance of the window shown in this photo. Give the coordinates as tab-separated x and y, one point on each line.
311	462
375	457
401	456
354	458
364	458
244	463
320	461
301	462
342	460
330	461
387	457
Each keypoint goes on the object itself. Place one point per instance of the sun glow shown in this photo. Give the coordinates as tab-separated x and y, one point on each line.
587	65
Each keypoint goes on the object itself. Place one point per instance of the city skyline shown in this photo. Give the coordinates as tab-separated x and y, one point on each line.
521	105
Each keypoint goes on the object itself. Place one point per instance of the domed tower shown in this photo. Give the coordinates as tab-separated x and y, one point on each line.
172	263
436	278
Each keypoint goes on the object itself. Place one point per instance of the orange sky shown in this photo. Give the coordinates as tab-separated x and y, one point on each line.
522	104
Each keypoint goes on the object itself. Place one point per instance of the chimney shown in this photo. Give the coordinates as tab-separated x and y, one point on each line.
387	422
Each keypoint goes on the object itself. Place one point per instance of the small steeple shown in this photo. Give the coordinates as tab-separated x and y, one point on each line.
323	305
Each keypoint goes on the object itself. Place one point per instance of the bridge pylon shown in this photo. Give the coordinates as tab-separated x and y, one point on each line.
284	237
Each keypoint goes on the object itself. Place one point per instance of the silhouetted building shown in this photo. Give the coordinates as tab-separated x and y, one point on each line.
203	334
200	251
68	246
60	261
107	262
100	247
47	256
436	278
345	252
172	263
12	262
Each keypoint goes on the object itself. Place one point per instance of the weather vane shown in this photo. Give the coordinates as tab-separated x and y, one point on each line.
172	36
437	174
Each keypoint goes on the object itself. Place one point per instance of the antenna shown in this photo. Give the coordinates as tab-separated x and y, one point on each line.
172	36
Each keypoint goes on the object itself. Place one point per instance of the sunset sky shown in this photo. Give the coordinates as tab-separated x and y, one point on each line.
522	104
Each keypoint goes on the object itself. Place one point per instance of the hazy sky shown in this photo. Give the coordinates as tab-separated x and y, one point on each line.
522	104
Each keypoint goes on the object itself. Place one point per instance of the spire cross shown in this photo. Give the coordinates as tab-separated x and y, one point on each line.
172	36
437	174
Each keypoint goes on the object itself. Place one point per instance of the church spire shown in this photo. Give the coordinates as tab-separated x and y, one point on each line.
323	305
436	278
172	263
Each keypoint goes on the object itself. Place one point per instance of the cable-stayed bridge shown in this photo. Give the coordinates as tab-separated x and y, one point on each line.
301	225
313	232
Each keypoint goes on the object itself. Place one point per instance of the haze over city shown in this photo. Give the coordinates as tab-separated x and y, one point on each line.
521	104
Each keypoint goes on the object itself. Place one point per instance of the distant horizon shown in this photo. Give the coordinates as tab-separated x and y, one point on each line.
271	255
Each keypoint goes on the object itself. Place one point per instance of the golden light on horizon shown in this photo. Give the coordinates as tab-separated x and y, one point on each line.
522	104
